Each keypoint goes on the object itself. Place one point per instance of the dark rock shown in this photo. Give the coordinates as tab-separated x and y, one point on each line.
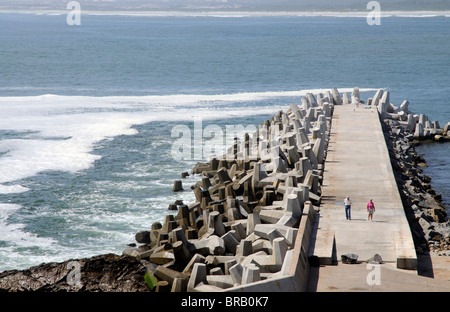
143	237
376	259
349	258
173	207
423	207
177	186
104	273
434	236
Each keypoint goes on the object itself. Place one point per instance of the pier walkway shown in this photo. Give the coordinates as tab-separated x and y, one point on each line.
358	166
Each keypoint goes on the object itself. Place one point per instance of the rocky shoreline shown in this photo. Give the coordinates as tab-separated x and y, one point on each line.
243	224
425	213
102	273
428	220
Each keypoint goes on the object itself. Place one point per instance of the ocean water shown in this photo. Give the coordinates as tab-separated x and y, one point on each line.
88	113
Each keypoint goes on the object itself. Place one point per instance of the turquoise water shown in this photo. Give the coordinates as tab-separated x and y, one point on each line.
87	112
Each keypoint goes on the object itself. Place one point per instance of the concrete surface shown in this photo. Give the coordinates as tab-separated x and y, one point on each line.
358	165
354	278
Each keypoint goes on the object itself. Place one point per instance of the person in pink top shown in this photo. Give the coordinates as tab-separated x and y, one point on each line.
370	210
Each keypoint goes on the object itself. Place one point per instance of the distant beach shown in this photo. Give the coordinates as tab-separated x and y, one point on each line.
384	14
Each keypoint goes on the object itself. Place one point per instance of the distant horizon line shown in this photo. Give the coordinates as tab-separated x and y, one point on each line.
233	13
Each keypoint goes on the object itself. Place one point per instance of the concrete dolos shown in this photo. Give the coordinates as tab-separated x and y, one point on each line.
253	225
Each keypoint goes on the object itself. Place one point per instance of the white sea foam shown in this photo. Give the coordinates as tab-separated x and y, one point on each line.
15	234
55	132
417	15
9	189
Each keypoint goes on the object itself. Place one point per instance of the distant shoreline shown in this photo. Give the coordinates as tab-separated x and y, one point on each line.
157	13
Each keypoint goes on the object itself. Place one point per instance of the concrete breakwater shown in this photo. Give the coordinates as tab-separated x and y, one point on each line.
418	126
249	228
251	225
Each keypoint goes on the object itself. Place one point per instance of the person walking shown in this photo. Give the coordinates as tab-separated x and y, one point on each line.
348	206
370	210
